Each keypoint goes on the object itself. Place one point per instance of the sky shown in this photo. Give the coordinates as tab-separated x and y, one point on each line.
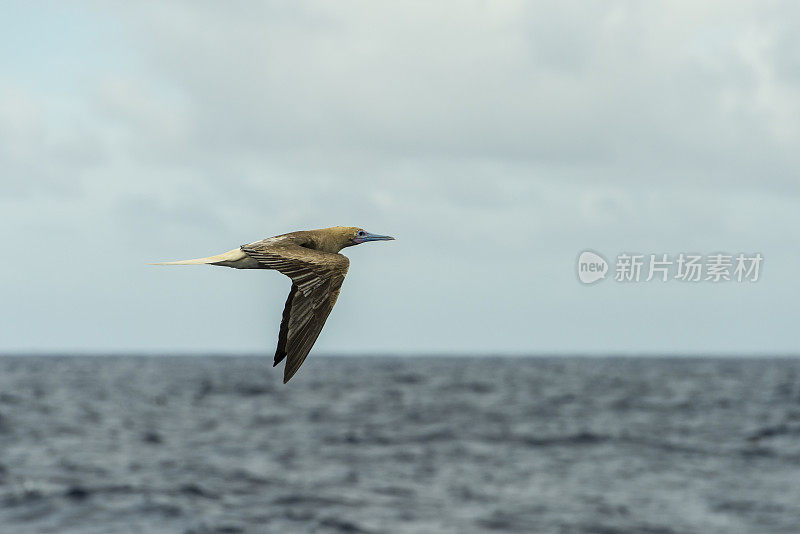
495	140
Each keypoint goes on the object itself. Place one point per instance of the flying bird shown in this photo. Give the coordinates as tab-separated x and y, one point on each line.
311	259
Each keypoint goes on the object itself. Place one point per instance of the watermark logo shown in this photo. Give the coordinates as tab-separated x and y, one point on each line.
591	267
683	267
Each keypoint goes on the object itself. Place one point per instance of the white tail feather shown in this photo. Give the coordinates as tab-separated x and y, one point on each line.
233	258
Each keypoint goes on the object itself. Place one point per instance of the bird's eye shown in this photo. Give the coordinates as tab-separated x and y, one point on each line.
361	233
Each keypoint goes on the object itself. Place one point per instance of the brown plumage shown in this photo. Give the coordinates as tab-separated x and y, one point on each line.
311	259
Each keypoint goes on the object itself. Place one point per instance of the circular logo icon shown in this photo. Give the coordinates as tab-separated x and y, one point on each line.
591	267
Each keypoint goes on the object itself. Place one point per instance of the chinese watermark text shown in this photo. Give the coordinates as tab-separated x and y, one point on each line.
683	267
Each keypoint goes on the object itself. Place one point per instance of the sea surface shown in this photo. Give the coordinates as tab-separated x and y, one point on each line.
408	445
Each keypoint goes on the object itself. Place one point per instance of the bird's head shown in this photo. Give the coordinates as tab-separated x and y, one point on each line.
356	236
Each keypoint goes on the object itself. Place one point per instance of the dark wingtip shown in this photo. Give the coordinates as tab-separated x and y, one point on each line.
287	375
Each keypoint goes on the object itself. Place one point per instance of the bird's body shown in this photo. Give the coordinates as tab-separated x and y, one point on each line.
311	259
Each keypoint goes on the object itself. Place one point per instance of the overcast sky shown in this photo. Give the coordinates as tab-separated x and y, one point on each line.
495	140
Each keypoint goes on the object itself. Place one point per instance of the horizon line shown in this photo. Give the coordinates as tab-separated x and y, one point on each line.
385	354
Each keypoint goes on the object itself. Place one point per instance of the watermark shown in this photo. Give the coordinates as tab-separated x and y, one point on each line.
591	267
683	267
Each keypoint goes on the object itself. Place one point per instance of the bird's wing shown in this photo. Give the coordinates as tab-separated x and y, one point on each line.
316	280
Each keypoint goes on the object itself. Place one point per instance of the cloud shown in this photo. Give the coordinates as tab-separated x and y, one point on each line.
616	84
495	139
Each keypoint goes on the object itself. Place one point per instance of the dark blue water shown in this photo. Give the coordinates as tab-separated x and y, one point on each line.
562	445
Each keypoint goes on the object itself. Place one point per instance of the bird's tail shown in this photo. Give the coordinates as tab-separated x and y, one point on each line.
232	258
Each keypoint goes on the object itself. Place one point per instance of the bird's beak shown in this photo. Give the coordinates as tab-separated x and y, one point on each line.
375	237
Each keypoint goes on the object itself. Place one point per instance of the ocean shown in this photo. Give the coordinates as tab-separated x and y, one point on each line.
197	445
